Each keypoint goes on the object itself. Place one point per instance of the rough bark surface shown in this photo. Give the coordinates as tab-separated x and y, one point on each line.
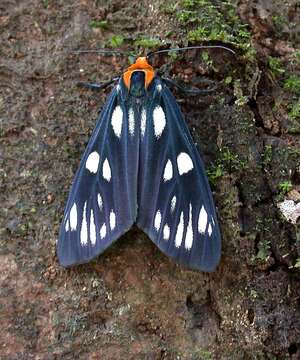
133	302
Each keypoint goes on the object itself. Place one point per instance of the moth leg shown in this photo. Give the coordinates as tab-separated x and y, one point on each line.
96	87
193	91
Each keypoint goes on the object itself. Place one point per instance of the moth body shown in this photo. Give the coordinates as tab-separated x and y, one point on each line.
141	166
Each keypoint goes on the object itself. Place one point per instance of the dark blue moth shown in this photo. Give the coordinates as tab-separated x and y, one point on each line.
141	166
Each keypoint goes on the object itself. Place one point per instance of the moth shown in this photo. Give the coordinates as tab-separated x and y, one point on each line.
141	167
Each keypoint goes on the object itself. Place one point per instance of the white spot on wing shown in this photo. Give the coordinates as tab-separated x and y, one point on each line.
131	123
166	232
143	122
100	202
103	231
73	217
209	230
179	232
184	163
157	220
92	229
106	171
189	232
92	162
173	203
84	231
159	121
117	121
202	222
67	225
112	220
168	173
158	88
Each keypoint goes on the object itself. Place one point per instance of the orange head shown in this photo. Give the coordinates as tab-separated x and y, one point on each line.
141	64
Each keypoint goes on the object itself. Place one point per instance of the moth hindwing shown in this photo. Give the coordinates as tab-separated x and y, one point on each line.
141	166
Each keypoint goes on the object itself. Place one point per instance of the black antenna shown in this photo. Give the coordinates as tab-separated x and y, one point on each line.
190	48
98	51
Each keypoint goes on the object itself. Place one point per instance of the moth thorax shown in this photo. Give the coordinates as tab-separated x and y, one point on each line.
137	84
